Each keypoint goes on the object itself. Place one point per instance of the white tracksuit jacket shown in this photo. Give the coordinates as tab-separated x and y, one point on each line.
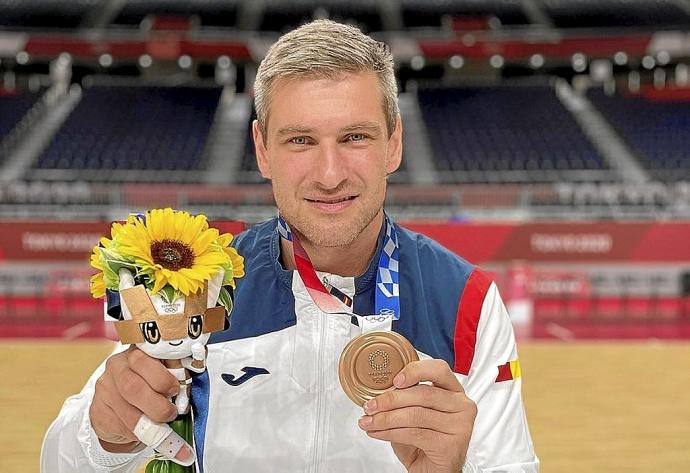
270	399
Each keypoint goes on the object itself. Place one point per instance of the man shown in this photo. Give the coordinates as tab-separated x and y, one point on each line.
328	133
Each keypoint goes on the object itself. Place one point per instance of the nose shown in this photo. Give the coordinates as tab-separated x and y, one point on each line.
331	167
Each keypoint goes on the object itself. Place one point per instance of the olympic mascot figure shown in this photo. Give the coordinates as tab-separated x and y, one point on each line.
168	280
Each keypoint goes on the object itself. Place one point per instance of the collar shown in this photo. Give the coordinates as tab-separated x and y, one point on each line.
363	283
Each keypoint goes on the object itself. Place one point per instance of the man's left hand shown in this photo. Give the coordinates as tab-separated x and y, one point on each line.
428	426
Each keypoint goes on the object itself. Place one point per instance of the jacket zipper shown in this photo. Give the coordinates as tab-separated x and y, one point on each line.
322	322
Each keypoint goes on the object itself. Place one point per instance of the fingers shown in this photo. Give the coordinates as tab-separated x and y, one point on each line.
424	439
126	413
136	392
164	440
122	396
412	417
436	371
108	426
421	395
126	409
153	372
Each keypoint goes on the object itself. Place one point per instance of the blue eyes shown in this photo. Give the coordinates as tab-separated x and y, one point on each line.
304	140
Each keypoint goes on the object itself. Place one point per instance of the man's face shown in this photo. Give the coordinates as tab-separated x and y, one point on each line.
327	154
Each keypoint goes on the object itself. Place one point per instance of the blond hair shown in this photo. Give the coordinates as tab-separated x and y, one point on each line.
325	49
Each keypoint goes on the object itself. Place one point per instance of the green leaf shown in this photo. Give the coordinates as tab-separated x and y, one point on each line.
168	293
184	427
225	299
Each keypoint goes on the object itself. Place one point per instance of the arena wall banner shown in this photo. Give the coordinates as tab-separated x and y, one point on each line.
62	241
477	242
663	242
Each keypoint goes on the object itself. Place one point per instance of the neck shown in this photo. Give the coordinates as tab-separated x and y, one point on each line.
351	260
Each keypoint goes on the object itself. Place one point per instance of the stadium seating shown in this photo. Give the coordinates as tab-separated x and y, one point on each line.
44	13
429	13
283	16
657	131
137	128
505	128
12	109
249	167
210	12
615	13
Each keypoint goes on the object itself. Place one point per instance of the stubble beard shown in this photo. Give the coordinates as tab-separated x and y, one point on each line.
332	231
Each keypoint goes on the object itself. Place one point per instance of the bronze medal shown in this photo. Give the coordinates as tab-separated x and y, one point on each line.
370	361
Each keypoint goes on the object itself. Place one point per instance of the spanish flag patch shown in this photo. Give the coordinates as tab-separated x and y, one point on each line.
510	370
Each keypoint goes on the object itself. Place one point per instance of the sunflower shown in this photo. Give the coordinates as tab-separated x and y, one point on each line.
102	258
175	248
234	268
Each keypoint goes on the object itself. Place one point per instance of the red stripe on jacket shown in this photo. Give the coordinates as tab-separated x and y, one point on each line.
467	320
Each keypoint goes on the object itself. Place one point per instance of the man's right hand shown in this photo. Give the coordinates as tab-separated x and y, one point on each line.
133	385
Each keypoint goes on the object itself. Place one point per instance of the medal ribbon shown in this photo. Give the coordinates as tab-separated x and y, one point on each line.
333	301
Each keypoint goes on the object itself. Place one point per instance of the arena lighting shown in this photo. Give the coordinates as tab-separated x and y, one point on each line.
648	62
663	58
224	62
105	60
22	57
659	78
145	60
682	75
456	61
579	62
496	61
536	61
620	58
184	61
417	63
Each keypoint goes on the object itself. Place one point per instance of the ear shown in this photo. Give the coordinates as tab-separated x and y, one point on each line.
395	146
260	150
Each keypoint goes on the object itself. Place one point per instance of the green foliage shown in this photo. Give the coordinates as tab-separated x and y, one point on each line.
169	294
225	299
183	425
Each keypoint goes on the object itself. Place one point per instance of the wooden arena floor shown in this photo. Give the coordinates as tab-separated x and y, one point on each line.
592	407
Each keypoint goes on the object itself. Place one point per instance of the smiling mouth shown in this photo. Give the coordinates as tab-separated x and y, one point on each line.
333	201
176	344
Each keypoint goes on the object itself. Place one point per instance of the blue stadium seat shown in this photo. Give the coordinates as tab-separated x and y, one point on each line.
515	128
135	128
44	13
657	131
429	13
284	16
210	12
616	13
12	108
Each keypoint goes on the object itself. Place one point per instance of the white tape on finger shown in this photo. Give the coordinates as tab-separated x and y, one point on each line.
150	432
163	439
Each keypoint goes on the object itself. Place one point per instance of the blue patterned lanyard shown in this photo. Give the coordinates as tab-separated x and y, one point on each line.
331	300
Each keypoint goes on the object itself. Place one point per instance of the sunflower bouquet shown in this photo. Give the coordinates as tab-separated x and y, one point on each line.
168	279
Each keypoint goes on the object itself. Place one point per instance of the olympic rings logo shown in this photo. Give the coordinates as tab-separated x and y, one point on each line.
373	318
